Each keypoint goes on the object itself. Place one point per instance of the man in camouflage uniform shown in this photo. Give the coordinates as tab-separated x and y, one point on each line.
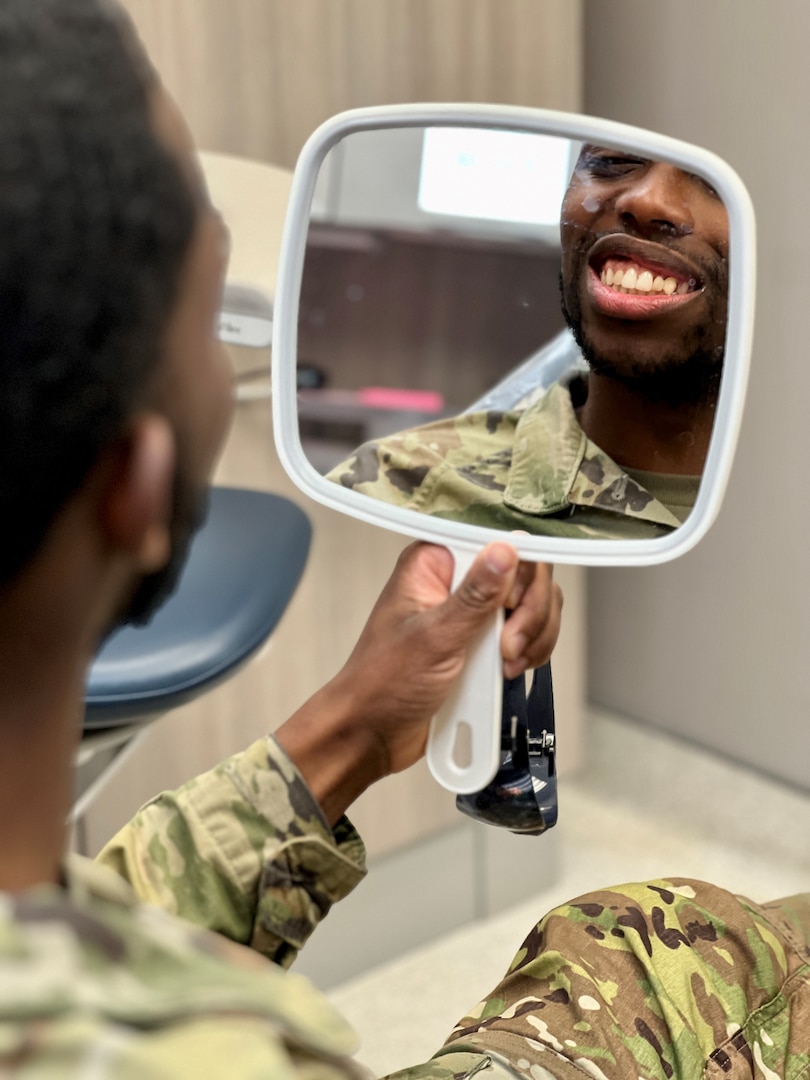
620	453
532	469
114	403
660	980
115	398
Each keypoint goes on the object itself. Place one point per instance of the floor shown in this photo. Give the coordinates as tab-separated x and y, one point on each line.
647	806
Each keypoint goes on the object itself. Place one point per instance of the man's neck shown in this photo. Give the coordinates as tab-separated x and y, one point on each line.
42	671
640	433
53	615
35	798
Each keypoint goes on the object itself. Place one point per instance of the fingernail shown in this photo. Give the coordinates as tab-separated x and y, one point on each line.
501	557
519	643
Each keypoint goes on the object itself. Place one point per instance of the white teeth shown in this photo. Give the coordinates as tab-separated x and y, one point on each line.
633	280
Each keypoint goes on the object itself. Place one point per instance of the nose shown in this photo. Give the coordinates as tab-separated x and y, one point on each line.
657	202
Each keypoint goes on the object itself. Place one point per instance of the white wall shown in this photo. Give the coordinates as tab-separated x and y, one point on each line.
715	645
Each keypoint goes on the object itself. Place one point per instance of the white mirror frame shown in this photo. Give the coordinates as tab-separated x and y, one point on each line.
457	535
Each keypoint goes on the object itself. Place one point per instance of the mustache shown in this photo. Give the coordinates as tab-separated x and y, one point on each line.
713	270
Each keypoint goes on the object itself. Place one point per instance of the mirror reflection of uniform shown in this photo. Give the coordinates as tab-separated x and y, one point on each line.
617	453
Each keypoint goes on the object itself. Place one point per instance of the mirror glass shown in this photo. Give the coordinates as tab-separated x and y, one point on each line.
512	330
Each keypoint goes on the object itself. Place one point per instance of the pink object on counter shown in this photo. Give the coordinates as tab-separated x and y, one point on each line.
385	397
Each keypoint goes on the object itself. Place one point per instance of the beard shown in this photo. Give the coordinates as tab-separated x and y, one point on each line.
189	510
688	374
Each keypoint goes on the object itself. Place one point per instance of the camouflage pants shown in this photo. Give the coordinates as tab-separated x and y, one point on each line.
667	979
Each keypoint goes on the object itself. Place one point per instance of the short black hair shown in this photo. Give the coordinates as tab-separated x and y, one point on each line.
96	219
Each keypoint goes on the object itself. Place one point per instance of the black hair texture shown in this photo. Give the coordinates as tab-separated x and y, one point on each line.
96	219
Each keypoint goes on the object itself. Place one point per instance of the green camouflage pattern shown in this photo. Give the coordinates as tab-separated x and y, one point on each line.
450	1065
243	850
664	980
533	469
96	983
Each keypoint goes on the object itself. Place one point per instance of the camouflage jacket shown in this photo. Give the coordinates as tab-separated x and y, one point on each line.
96	983
533	469
662	980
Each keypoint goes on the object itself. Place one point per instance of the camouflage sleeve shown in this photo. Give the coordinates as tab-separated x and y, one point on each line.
397	469
95	984
658	980
243	850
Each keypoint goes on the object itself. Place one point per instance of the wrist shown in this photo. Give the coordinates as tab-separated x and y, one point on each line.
338	752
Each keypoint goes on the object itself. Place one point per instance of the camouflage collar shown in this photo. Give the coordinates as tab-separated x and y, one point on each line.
86	879
575	472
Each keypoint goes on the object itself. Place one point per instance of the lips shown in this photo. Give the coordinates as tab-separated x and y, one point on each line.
636	279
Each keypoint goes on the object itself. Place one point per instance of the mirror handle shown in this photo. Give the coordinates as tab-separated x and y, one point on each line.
463	749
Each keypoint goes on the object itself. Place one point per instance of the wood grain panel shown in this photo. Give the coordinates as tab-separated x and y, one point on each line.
431	317
255	77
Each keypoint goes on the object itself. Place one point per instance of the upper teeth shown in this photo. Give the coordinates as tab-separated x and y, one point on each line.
632	279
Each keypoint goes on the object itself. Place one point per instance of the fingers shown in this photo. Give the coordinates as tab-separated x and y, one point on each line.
532	629
427	569
496	579
524	579
489	581
483	591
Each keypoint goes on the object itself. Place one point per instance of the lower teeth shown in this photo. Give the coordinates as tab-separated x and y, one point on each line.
680	291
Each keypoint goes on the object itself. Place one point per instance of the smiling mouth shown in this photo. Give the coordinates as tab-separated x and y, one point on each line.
632	278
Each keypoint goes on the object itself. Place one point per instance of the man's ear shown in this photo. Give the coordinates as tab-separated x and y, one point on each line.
137	498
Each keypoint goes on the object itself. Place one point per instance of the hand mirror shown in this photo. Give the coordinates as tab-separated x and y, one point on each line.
493	319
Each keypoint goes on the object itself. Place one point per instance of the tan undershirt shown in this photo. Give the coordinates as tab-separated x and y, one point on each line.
677	493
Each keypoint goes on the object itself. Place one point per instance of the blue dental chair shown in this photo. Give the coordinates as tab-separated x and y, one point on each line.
246	561
243	568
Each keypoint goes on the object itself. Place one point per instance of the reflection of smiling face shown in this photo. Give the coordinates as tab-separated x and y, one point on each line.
644	268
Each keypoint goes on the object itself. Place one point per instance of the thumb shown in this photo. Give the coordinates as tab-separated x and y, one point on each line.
486	585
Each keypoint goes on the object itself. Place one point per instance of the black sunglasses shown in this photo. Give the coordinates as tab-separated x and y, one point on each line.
522	796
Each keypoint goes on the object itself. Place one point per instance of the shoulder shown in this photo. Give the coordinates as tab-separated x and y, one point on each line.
97	976
404	460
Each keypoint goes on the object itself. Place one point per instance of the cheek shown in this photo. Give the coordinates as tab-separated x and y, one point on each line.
575	242
712	225
583	202
577	221
221	393
208	417
568	214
